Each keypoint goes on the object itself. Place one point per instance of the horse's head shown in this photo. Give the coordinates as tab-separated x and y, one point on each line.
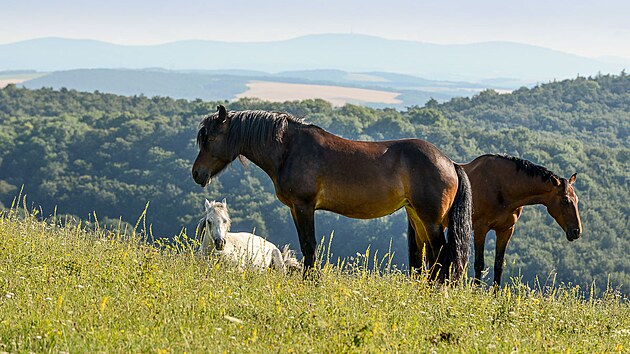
214	153
217	223
563	207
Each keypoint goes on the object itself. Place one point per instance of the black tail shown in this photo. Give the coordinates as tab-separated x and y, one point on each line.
460	226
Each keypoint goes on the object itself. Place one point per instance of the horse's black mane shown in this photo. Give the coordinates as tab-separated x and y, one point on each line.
253	127
530	168
258	128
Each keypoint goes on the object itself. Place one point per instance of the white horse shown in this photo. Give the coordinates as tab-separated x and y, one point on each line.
242	248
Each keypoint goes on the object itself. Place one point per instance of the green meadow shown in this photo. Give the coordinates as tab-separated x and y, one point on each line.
75	288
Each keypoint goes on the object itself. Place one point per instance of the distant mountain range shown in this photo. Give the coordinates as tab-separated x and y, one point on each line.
512	63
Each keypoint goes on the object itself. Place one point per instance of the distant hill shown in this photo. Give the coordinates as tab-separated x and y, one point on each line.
230	84
348	52
147	82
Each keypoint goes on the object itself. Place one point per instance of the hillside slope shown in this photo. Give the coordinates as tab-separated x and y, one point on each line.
68	289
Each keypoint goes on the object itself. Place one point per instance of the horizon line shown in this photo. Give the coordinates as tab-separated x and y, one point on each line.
354	34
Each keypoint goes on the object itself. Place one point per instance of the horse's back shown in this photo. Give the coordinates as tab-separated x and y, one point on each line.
252	248
322	145
249	239
363	179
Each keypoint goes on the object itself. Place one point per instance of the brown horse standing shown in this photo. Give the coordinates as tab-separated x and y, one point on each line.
501	186
312	169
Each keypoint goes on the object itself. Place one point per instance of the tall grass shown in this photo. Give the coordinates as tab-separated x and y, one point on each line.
66	289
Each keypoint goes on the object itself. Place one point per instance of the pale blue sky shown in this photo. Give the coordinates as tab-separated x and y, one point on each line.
591	28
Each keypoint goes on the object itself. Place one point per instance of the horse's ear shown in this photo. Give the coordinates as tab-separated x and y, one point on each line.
222	113
224	202
207	204
556	182
572	178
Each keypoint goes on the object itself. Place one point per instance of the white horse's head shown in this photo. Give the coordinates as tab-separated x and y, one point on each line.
216	225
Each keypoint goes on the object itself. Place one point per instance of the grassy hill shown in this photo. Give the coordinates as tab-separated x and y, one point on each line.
67	289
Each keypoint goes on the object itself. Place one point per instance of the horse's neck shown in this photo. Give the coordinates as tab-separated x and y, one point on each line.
271	156
268	157
527	190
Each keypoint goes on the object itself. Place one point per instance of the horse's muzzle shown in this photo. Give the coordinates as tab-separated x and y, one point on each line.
201	178
573	234
219	244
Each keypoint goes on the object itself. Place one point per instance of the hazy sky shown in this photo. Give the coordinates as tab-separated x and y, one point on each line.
590	28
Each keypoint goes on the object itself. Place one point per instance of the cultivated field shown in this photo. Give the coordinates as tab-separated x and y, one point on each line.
65	289
6	79
337	95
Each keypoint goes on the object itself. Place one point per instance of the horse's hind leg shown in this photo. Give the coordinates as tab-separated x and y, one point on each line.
437	259
426	242
430	236
416	241
415	252
277	261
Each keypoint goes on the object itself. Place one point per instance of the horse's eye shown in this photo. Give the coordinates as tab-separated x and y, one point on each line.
565	201
210	136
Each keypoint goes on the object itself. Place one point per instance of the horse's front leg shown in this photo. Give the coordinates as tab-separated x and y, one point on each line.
503	238
304	219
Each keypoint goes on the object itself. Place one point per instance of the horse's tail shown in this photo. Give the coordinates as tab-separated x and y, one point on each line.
460	225
291	262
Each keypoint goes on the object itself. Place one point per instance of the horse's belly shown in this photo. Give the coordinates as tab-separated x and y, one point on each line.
360	203
364	213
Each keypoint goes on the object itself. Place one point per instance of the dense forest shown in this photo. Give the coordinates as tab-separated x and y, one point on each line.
84	153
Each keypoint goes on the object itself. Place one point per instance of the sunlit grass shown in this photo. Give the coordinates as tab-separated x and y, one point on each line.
67	289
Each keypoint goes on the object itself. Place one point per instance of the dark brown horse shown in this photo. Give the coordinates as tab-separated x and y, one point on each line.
312	169
501	186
